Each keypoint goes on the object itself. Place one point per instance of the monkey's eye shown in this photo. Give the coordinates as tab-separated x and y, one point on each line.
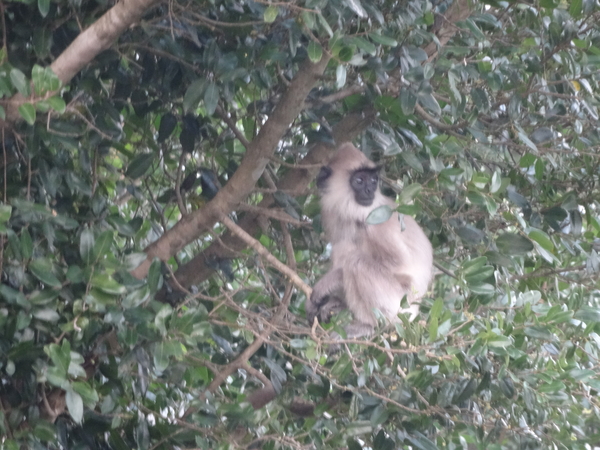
358	180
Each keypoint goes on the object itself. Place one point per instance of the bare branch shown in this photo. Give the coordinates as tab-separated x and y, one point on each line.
262	251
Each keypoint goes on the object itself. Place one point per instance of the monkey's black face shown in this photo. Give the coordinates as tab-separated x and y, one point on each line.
364	183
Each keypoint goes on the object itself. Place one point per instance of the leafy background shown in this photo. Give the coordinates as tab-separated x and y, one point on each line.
484	116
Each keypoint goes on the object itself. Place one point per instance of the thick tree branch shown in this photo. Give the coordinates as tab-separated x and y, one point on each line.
243	180
199	268
95	39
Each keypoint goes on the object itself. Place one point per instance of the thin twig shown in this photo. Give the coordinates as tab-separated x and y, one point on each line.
262	251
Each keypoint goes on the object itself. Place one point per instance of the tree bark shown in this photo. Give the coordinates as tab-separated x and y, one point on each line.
95	39
244	179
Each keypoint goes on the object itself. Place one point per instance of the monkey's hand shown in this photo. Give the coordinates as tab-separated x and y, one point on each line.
314	305
327	297
326	309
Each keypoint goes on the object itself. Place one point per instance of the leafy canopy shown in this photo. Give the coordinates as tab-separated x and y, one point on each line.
484	116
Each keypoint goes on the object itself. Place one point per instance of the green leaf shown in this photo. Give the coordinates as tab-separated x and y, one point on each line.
315	51
60	355
5	213
480	275
575	8
88	394
26	244
409	193
523	137
513	244
429	102
356	6
74	405
42	270
20	82
365	45
57	104
482	288
309	19
474	265
27	111
379	215
46	315
541	238
345	54
413	161
433	328
496	182
324	24
103	244
298	344
43	297
193	95
37	78
107	284
470	234
467	391
498	341
140	165
553	386
421	442
408	100
44	7
539	332
340	75
44	431
155	278
383	40
270	14
211	98
507	387
588	314
86	245
480	99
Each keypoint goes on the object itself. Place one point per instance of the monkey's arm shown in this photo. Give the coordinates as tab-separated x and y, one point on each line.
327	297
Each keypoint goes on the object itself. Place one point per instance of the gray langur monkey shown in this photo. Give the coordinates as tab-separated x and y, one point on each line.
373	266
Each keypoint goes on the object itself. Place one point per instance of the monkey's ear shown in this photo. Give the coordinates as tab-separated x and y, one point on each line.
324	174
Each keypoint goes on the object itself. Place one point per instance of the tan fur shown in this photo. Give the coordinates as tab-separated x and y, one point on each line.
373	266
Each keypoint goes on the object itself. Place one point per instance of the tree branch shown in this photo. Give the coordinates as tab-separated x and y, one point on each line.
95	39
243	180
262	251
199	269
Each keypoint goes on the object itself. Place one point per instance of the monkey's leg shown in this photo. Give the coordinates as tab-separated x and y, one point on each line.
330	288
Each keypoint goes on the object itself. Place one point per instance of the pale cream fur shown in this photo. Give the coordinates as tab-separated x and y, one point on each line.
373	266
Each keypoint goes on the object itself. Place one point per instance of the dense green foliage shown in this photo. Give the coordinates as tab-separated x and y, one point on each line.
492	142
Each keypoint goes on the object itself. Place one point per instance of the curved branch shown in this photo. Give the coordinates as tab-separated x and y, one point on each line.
94	40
